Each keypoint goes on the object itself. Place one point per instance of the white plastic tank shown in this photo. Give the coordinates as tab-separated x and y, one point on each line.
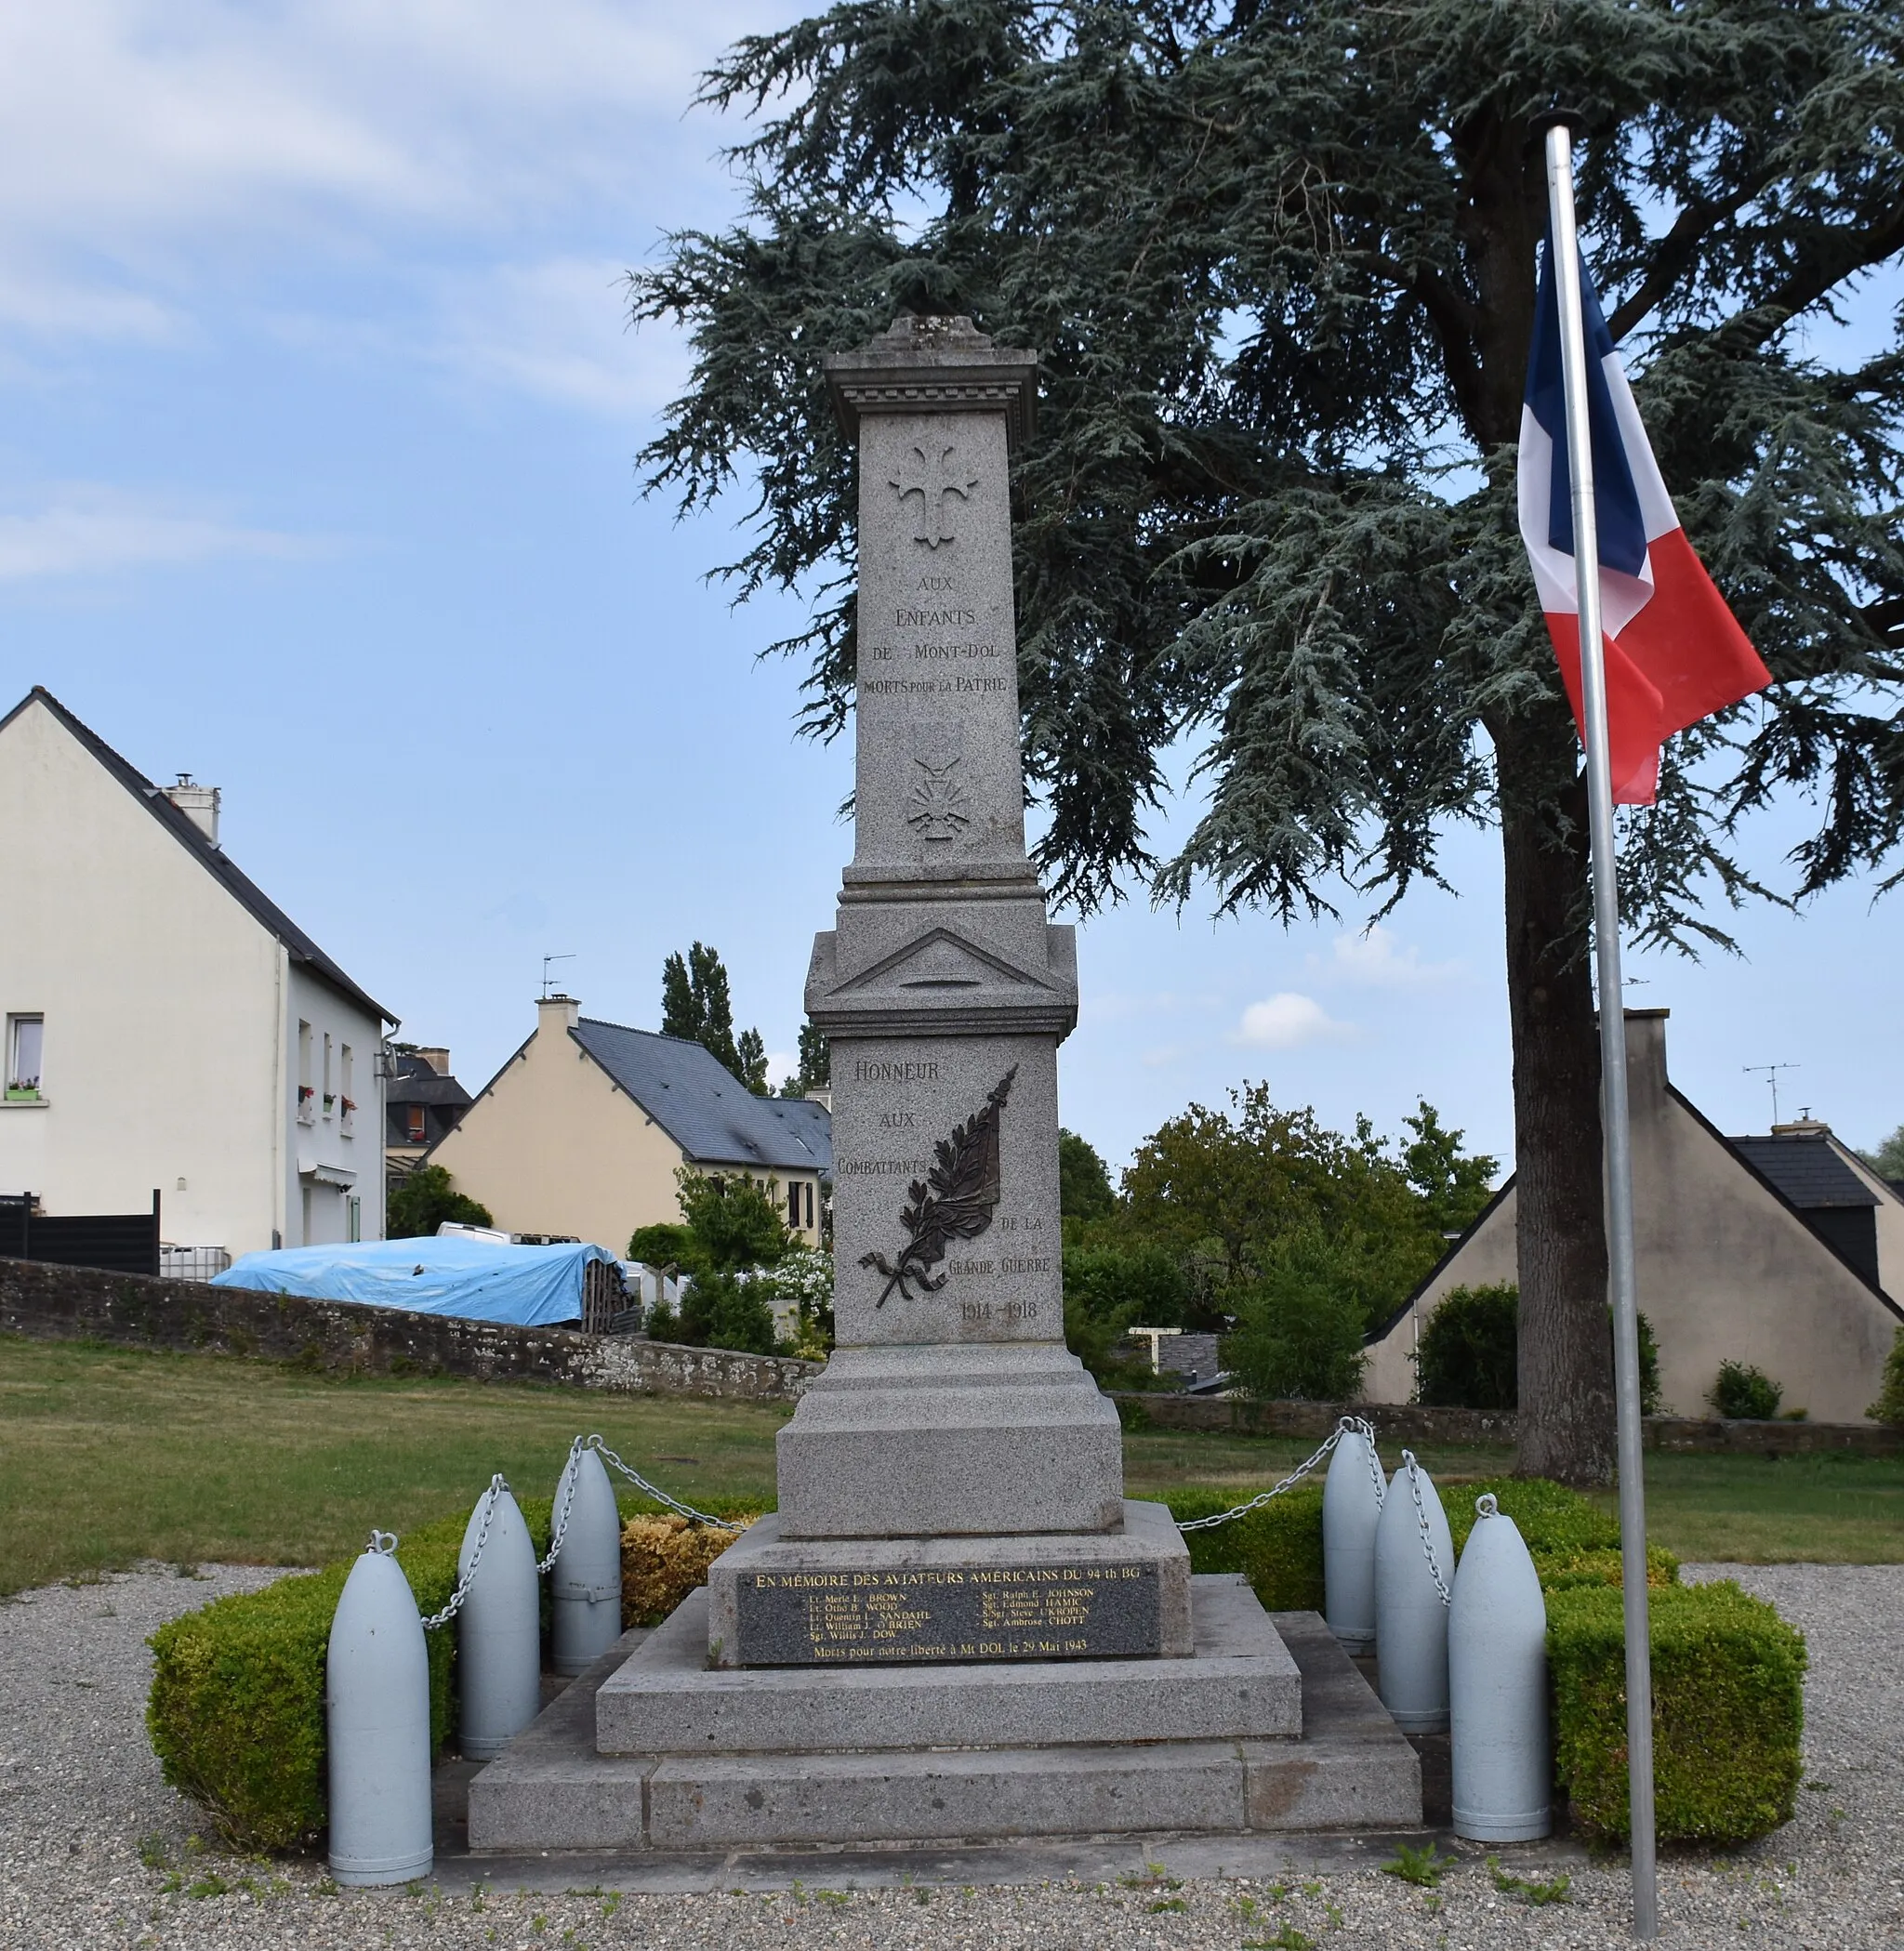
376	1715
1496	1674
1351	1511
1411	1615
584	1580
499	1631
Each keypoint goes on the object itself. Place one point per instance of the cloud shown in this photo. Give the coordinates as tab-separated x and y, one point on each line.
557	330
1377	959
90	530
1286	1021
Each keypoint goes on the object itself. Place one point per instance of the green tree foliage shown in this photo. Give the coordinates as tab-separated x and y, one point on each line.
696	1005
1223	1187
1084	1180
1280	266
816	1071
750	1058
732	1223
1112	1288
426	1200
1453	1186
1299	1321
1469	1355
1887	1161
664	1245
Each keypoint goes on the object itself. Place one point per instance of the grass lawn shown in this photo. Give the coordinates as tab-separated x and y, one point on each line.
110	1455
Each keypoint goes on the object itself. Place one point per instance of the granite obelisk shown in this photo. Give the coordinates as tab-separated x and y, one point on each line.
951	1405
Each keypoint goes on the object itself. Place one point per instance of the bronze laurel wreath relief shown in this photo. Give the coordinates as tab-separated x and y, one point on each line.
953	1202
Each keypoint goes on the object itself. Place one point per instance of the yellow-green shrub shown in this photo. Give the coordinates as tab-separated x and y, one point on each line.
663	1559
1277	1547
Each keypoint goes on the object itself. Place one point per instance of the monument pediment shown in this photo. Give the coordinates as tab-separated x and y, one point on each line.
942	959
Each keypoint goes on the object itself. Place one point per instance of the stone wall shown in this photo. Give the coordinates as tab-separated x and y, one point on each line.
1413	1423
53	1303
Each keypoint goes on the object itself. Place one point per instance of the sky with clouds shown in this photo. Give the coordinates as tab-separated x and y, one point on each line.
317	424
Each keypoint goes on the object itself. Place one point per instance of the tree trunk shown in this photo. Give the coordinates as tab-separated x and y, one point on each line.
1565	1369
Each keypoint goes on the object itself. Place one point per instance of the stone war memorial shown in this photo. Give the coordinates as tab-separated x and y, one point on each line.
956	1627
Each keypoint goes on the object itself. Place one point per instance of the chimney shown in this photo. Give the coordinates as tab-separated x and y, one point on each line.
436	1058
557	1014
1645	1058
198	803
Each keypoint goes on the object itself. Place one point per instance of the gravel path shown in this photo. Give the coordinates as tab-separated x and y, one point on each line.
94	1850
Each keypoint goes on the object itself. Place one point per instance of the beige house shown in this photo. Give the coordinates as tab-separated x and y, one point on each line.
1782	1251
582	1131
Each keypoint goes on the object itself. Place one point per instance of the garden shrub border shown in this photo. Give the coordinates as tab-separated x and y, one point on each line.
236	1711
1728	1673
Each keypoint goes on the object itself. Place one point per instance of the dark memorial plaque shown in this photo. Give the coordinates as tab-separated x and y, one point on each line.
824	1618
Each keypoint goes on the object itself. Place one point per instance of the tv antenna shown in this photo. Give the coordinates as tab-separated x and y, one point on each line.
546	977
1771	1071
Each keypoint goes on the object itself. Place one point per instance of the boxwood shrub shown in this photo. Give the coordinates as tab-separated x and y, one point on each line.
1728	1671
236	1709
1729	1707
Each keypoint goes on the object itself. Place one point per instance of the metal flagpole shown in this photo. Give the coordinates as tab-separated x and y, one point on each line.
1619	1248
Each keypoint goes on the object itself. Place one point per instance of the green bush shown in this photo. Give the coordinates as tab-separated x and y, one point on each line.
1728	1709
1278	1547
425	1200
1470	1352
1299	1322
1728	1671
237	1710
723	1311
1889	1406
1745	1393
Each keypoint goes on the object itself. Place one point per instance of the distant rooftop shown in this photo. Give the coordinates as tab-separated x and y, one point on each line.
707	1112
1806	1169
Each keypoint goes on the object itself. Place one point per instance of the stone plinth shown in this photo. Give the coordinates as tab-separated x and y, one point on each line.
888	1754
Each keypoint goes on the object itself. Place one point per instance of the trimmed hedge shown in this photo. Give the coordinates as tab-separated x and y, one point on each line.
1729	1707
237	1710
1727	1672
1277	1547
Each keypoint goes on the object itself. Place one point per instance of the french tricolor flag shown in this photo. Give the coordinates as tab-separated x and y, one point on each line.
1674	653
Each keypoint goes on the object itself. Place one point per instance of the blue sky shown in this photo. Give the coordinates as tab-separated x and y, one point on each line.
317	422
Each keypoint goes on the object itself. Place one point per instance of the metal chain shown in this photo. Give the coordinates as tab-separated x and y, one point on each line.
1421	1519
565	1496
655	1491
1342	1429
498	1487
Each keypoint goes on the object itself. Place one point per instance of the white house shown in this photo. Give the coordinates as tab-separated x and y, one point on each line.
168	1025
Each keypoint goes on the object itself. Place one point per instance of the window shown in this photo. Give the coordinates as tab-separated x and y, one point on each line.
412	1124
330	1100
304	1090
346	1103
24	1036
793	1204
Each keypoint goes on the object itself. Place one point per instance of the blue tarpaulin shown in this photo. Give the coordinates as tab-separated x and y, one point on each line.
477	1280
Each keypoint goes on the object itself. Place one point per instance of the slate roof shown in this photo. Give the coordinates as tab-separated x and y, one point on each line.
709	1112
212	857
1807	1169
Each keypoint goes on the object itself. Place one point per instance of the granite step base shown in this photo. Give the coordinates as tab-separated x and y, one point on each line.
1352	1768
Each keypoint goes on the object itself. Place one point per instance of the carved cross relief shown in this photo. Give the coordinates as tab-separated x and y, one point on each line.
937	480
938	808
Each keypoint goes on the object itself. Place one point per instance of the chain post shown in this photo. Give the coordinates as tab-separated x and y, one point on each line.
498	1487
565	1495
1342	1426
1422	1520
655	1491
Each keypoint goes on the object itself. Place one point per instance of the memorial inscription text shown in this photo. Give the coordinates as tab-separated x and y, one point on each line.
952	1613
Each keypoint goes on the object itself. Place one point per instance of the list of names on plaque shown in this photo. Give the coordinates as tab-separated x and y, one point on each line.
953	1612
